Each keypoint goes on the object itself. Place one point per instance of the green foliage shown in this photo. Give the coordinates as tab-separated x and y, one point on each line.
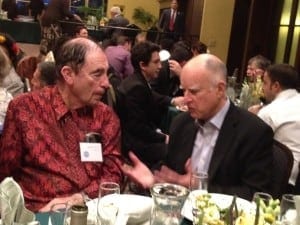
144	18
88	11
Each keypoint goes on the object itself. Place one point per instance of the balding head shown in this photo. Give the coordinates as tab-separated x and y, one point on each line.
73	53
214	67
203	79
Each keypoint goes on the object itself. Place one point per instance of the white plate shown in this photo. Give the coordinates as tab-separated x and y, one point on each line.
137	207
221	200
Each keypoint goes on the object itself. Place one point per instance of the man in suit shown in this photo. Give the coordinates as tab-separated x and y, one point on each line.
140	107
215	137
115	25
172	22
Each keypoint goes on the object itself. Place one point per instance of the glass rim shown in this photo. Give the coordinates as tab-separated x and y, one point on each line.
288	197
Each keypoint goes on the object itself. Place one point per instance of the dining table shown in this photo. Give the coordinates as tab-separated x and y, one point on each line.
43	218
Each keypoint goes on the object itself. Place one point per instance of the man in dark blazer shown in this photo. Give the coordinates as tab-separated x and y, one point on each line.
238	148
115	26
140	107
172	22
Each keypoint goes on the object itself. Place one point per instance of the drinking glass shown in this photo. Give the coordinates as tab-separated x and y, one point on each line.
288	212
199	181
198	186
265	197
59	214
106	213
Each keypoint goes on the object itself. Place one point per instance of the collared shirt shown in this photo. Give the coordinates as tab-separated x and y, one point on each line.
206	139
283	115
5	98
39	147
119	59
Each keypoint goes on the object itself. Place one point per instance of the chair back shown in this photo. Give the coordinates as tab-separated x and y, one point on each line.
282	166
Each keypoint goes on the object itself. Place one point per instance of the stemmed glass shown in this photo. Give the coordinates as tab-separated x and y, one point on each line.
106	213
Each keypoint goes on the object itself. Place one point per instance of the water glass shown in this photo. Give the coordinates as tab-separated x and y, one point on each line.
199	181
265	197
59	214
106	213
288	212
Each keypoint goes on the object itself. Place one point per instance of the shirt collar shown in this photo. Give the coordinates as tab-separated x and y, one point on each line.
61	109
217	120
286	94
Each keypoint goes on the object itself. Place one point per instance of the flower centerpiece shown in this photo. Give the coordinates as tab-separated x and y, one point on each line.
251	93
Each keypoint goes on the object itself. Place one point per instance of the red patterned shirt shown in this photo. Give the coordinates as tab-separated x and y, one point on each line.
40	147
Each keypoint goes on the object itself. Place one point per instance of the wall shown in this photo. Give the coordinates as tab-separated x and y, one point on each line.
216	26
152	6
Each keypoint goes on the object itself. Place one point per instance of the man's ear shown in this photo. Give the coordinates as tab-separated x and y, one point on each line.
68	74
277	86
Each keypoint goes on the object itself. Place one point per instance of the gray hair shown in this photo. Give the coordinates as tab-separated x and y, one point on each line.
116	10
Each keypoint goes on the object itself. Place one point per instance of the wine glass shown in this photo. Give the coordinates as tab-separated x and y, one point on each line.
107	212
288	212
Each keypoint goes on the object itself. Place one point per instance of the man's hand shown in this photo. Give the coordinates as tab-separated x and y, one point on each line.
165	174
139	172
71	200
175	67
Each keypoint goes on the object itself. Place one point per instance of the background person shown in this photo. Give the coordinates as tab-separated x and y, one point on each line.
36	9
172	22
41	145
51	29
44	75
283	111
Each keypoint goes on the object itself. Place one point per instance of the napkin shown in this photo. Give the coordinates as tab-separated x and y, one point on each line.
13	209
297	203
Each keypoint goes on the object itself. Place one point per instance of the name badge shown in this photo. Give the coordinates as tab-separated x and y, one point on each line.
90	152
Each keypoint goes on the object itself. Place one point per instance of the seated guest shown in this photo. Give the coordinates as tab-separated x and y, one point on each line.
140	106
199	48
251	92
167	82
42	142
119	57
230	144
5	96
12	82
44	75
283	112
81	31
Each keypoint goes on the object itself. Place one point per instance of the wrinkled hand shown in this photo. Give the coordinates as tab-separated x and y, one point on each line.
178	101
175	67
166	174
139	172
71	200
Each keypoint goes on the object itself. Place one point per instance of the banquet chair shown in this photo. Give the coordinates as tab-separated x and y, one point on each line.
282	166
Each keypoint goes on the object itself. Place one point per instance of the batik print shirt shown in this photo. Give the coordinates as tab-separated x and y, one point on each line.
39	147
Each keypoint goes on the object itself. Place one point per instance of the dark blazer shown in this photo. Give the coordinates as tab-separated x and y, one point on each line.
118	22
165	21
242	159
140	112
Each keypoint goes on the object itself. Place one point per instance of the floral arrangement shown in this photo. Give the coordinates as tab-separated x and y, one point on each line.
211	214
251	93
